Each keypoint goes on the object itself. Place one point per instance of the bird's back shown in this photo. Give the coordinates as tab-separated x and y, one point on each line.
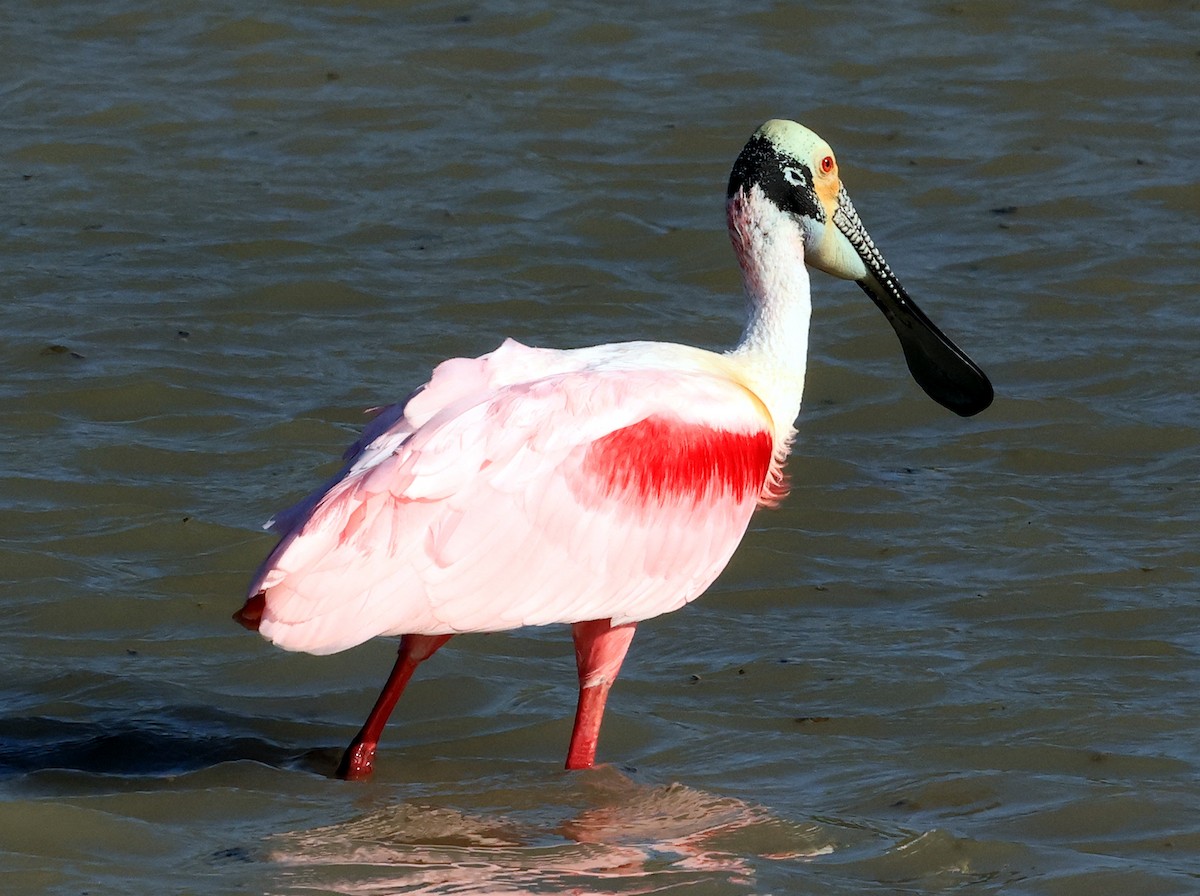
526	487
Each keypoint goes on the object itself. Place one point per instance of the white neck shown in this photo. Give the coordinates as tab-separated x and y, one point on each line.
774	345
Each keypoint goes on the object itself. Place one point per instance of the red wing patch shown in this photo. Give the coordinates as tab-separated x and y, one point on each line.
660	460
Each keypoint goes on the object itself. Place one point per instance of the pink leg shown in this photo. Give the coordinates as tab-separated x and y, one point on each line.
359	758
599	650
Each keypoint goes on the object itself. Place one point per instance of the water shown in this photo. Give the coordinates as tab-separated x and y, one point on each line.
960	658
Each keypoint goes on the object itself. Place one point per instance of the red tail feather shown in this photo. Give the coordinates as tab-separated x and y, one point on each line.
250	615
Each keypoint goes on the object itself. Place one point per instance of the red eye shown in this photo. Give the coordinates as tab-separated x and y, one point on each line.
826	164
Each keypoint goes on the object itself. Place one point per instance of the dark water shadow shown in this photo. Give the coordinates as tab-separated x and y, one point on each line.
164	746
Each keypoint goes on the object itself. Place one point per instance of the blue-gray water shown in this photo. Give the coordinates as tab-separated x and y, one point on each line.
962	657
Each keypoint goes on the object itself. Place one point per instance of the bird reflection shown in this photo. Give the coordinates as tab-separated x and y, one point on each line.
633	838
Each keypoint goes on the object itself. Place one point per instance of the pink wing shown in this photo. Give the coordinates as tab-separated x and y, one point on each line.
523	491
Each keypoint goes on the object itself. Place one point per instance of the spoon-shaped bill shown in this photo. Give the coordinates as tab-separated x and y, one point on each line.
939	366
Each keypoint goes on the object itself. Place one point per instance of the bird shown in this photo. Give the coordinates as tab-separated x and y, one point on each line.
594	487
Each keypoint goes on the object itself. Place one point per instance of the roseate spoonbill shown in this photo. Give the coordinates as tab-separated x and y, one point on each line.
597	486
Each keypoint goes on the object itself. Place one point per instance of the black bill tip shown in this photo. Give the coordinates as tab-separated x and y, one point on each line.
940	367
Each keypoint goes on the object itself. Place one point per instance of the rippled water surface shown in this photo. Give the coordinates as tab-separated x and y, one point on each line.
961	657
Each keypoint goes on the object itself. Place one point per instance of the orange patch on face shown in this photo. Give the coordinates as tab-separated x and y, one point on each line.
828	184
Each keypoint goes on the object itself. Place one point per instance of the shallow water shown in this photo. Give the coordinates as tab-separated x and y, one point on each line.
960	658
